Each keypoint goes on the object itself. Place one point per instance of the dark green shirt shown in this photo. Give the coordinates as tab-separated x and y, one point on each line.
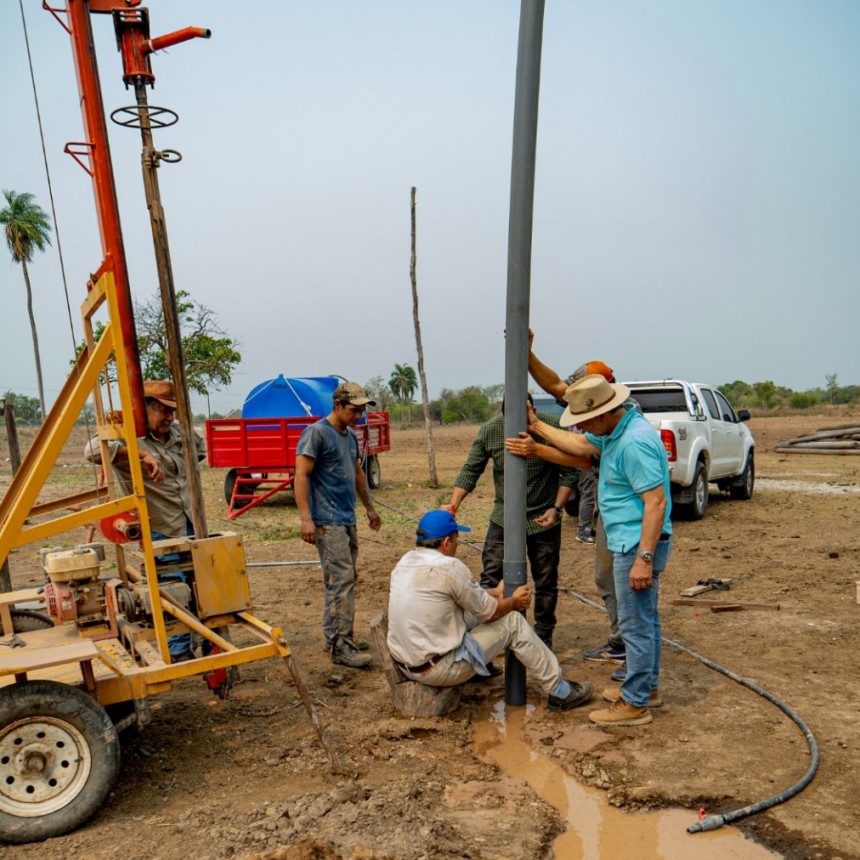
542	478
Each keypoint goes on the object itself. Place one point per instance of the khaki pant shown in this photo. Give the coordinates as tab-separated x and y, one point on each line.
511	631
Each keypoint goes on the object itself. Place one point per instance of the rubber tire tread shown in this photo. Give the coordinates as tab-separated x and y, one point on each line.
28	620
61	701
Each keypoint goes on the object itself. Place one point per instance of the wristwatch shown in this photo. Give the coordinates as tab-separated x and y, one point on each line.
646	556
558	510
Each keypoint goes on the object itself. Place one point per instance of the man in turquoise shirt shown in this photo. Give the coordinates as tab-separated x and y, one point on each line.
634	499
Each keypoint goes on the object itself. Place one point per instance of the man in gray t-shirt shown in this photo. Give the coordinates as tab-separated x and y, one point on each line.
328	477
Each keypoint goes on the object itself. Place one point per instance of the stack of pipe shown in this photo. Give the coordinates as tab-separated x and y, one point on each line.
828	440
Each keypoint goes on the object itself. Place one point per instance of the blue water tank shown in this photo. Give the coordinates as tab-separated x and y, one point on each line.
292	397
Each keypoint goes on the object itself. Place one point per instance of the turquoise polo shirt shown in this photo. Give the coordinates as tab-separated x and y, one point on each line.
632	461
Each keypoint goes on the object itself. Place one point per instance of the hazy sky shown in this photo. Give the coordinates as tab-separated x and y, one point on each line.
697	209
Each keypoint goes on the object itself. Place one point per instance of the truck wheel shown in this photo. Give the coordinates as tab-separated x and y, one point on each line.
59	757
374	472
695	510
744	488
27	620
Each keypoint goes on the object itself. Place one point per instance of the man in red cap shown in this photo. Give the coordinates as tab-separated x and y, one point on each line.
168	500
611	651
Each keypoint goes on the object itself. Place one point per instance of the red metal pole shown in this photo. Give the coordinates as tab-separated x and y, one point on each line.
95	128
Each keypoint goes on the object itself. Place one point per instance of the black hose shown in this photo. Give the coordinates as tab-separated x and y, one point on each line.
714	822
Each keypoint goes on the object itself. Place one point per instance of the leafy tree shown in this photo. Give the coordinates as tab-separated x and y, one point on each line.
210	355
766	393
377	389
403	383
27	229
469	404
26	409
802	399
832	386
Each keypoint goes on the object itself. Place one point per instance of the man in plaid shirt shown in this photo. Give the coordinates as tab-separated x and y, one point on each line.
549	486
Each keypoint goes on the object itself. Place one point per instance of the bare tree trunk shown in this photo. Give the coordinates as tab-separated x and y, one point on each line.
35	340
15	460
425	402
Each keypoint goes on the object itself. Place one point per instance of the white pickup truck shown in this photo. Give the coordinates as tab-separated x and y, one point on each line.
706	440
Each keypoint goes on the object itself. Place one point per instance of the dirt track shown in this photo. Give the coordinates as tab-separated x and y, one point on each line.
211	779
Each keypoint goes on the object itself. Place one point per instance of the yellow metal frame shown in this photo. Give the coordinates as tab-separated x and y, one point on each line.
129	666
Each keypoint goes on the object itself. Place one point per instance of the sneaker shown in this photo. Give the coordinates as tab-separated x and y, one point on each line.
613	694
609	652
620	673
579	695
585	538
621	714
345	654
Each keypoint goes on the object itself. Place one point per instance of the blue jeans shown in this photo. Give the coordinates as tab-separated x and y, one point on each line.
639	620
180	643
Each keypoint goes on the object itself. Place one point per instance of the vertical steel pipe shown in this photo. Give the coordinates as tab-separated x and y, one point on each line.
517	316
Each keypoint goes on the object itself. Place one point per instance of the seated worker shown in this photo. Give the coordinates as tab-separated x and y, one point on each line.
443	628
168	500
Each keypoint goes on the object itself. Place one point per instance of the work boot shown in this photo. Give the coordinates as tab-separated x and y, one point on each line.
621	713
613	694
579	694
358	644
345	653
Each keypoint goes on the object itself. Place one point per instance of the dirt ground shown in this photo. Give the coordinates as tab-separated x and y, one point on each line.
247	777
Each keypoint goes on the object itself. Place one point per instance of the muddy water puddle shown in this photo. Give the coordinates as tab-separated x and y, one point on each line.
596	830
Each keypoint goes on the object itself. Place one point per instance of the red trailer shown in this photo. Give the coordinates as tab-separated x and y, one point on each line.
260	454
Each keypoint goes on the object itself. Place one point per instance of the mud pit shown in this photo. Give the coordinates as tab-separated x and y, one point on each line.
248	778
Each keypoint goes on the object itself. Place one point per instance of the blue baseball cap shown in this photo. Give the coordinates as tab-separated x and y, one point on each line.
438	524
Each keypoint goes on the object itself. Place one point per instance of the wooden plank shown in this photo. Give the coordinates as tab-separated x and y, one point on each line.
702	588
681	601
28	659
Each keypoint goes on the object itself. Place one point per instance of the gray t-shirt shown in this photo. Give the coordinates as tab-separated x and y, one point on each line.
332	481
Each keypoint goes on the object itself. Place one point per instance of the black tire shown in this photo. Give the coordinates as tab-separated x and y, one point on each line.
743	490
27	620
229	483
374	472
695	510
59	757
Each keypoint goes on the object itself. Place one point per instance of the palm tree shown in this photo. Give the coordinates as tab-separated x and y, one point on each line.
403	383
27	228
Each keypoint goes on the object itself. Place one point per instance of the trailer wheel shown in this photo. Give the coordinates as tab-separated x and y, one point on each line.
374	472
229	483
27	620
59	757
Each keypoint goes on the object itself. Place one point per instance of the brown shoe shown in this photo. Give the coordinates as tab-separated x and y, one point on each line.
613	694
621	714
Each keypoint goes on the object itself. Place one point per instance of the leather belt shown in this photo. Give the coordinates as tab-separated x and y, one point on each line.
424	667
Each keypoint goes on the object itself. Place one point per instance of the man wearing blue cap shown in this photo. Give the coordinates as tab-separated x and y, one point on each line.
443	628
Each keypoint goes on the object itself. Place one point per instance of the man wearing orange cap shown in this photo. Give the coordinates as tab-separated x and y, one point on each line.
612	651
168	499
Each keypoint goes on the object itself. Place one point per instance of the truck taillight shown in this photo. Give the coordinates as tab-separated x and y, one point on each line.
667	437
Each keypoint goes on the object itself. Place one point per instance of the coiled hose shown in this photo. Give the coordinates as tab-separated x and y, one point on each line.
714	822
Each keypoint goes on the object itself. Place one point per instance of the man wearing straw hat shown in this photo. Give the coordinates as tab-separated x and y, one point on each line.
634	499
